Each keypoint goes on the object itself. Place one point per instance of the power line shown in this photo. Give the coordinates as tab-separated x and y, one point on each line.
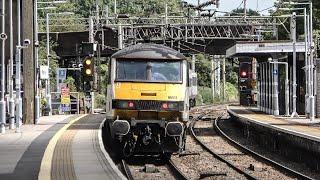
240	5
266	9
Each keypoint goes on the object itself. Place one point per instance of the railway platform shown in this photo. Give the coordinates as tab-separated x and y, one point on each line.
296	126
297	139
59	147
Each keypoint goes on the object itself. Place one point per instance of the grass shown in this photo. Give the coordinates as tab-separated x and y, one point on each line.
205	95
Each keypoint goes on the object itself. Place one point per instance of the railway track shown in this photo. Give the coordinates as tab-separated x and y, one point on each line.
224	158
239	156
281	167
166	171
216	155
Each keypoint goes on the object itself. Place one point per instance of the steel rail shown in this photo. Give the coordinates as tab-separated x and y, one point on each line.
175	170
222	159
126	170
270	161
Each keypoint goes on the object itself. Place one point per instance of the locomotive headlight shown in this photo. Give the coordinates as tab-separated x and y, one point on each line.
170	105
164	105
125	104
173	105
130	104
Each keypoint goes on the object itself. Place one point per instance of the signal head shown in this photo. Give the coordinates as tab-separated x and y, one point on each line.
243	74
88	72
88	61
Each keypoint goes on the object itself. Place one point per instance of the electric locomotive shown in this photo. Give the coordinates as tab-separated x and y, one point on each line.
148	94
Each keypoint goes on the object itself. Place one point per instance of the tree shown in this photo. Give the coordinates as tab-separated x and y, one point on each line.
203	70
71	84
145	7
240	11
53	63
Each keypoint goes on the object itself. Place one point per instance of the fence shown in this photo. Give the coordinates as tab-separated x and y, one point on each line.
56	103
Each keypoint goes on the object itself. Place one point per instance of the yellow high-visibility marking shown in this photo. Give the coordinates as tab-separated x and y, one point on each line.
45	168
162	92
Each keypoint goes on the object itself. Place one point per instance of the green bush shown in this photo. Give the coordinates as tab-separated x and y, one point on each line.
231	92
205	95
99	101
199	100
71	83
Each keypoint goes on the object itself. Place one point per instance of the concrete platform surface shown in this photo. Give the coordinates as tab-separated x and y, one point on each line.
59	147
13	145
297	126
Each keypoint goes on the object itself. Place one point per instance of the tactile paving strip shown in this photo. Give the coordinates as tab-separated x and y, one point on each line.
62	163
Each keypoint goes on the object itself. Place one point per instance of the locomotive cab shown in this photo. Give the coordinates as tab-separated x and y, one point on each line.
148	99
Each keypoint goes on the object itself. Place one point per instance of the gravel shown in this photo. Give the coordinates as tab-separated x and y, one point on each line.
138	173
195	165
246	162
232	130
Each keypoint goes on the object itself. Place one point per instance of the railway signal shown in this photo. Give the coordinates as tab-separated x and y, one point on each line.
88	68
244	70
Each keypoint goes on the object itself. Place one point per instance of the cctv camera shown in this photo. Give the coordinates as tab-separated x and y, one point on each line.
26	42
294	15
36	44
3	36
269	59
80	65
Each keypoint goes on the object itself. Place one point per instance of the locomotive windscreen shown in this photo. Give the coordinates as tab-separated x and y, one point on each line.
153	71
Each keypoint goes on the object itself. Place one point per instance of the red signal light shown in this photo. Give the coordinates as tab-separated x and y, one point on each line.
165	106
243	74
130	104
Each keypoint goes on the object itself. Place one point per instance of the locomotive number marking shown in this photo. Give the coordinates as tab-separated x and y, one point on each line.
172	97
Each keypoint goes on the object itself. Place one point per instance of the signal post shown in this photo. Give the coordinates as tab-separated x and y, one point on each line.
88	73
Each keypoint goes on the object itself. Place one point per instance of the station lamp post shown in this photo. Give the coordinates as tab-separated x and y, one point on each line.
3	38
19	47
310	75
37	96
48	93
294	55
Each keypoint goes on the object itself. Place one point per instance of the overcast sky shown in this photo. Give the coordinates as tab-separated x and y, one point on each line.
228	5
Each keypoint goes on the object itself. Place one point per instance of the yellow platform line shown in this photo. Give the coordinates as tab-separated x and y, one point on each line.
45	168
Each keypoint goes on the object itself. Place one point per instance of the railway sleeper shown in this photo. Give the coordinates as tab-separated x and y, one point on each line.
210	174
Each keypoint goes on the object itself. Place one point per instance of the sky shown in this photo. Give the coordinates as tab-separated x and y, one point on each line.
228	5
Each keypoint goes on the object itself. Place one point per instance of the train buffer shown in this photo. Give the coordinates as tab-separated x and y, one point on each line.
59	147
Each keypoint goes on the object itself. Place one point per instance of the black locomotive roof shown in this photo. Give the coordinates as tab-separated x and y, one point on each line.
148	51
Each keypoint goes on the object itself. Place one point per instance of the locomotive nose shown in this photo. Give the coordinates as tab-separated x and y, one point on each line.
121	127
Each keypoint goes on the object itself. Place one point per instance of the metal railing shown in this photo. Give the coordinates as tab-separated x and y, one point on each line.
56	102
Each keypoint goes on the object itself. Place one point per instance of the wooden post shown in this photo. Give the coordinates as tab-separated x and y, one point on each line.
28	63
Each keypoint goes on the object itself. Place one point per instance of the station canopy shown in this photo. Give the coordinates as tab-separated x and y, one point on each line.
256	49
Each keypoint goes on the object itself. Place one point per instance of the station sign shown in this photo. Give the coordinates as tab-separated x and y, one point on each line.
65	107
65	99
44	72
61	77
275	72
